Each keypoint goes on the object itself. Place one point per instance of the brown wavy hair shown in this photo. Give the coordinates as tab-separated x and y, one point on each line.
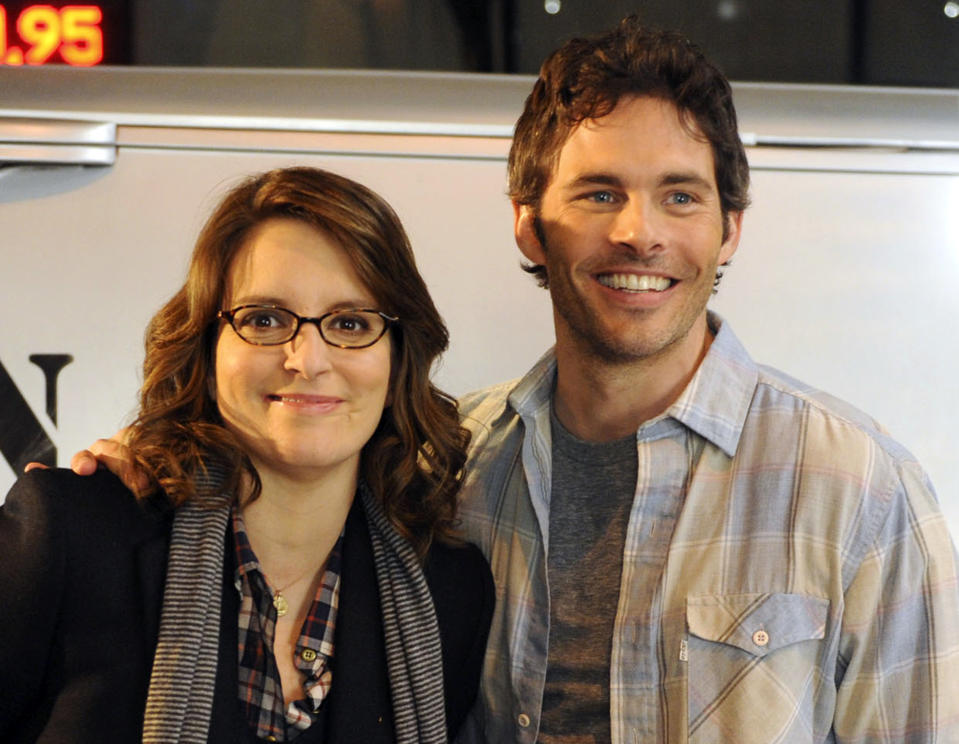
414	459
586	77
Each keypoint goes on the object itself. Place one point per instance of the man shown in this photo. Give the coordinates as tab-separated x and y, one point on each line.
686	546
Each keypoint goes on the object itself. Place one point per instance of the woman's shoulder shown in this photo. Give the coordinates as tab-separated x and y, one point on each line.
54	481
459	576
60	494
456	559
463	595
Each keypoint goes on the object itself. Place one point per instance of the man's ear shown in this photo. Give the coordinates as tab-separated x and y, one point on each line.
734	228
524	229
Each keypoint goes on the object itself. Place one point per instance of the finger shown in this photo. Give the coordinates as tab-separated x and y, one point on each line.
83	463
115	457
112	448
35	466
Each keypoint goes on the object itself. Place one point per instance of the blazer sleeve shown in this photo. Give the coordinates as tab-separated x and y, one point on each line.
81	577
464	597
32	571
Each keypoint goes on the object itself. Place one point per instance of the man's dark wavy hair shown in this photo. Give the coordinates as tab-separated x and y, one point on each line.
585	79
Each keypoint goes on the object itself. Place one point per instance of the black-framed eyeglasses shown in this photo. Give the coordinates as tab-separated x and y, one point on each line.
270	325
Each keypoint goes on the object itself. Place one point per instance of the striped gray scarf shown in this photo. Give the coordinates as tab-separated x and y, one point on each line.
180	699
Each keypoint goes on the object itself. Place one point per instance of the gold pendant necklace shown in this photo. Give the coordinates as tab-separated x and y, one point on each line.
280	603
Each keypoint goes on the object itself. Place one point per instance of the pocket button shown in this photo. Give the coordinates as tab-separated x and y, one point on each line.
760	637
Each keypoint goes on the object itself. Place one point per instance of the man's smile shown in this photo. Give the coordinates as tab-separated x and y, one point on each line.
635	282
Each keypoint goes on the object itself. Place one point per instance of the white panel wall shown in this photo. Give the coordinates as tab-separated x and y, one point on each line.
845	277
847	280
84	270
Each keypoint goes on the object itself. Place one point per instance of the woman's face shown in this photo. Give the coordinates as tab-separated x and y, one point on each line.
302	409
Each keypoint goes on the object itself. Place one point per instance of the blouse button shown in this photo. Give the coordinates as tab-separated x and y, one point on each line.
523	720
308	654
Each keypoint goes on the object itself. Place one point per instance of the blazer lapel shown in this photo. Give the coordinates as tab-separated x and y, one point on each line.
227	722
151	556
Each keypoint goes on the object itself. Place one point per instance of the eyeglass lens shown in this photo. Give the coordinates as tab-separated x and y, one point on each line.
276	325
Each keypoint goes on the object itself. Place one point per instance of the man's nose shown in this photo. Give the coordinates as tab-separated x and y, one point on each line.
636	225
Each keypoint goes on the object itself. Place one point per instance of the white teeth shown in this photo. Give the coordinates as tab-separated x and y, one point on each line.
635	282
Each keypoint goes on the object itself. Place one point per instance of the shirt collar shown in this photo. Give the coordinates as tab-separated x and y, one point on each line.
716	401
714	404
247	565
533	392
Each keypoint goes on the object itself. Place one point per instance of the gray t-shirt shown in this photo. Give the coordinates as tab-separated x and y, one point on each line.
590	498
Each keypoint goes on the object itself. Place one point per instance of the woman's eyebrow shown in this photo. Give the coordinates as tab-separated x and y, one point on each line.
262	299
257	300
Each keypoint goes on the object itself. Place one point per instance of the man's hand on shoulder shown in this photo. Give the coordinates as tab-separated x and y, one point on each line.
113	454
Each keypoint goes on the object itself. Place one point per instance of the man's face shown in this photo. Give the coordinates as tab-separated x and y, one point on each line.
633	235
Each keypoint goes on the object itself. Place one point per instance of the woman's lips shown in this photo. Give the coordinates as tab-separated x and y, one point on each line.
305	402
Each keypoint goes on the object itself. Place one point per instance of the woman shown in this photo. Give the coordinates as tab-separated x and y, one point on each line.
289	572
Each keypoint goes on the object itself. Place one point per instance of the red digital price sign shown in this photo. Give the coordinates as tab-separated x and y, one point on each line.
72	34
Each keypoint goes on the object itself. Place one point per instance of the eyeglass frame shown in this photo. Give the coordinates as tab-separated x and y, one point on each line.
228	316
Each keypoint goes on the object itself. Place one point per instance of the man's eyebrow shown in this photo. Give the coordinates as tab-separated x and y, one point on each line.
594	179
685	179
675	178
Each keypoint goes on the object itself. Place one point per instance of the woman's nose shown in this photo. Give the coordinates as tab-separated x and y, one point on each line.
307	353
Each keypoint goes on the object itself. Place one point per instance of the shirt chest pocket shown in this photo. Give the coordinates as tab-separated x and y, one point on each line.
753	663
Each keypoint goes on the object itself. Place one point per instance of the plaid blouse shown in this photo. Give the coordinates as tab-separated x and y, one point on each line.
260	691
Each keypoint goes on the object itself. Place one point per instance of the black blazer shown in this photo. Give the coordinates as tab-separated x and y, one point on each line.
82	569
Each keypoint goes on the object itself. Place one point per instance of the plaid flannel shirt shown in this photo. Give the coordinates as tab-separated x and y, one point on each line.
787	574
260	691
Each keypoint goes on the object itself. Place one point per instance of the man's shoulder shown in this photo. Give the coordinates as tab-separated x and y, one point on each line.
849	426
496	431
480	409
774	402
843	480
492	393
